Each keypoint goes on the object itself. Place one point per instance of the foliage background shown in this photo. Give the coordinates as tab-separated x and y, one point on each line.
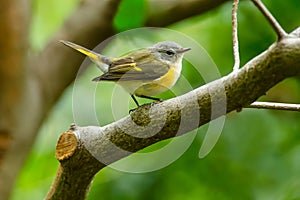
258	154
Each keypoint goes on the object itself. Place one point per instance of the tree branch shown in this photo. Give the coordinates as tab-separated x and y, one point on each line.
182	114
76	178
275	106
235	40
14	22
13	61
275	25
163	13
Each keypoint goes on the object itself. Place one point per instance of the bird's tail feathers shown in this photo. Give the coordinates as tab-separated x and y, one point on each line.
101	61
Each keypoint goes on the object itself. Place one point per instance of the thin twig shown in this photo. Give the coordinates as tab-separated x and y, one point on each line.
235	41
274	23
275	106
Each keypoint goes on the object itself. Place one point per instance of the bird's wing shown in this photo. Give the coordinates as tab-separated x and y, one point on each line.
140	68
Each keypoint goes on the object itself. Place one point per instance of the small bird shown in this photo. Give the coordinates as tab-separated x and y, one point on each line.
143	73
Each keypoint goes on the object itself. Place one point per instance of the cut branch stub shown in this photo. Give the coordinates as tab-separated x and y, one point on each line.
66	145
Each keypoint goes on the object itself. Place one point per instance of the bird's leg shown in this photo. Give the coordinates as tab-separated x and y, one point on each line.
152	98
135	101
143	96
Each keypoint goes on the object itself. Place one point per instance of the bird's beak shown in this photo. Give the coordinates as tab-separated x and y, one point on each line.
81	49
183	50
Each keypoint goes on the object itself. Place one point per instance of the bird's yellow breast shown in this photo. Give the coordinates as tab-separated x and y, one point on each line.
158	85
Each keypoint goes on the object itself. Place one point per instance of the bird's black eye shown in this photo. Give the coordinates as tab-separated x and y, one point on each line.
170	53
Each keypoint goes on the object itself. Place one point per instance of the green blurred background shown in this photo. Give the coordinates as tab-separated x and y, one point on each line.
258	153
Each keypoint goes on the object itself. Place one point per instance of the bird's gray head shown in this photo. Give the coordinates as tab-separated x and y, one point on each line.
168	51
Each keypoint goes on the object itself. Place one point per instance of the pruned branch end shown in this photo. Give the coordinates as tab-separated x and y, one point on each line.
66	145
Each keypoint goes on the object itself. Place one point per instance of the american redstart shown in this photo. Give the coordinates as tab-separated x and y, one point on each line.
143	73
